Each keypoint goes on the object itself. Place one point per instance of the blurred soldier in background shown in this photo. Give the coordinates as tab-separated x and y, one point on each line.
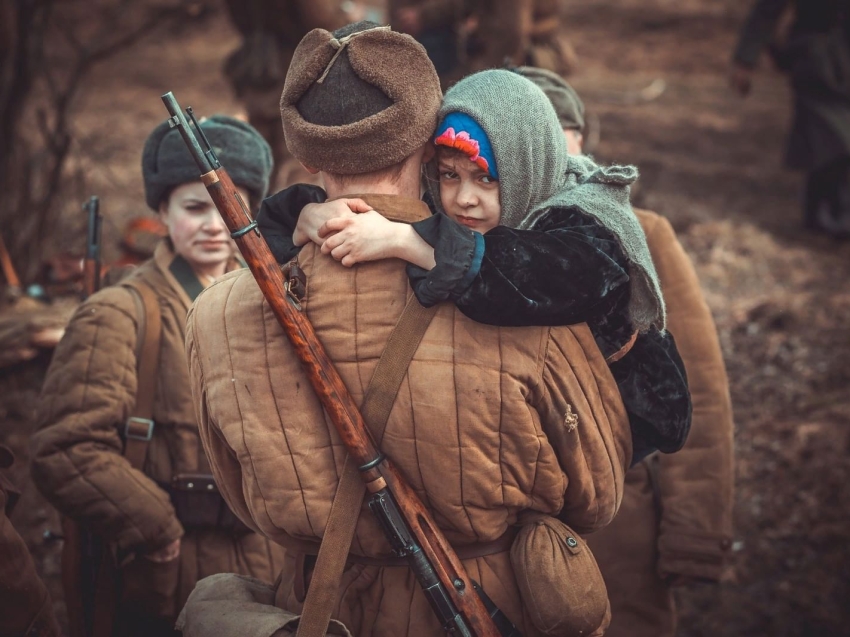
439	26
519	32
464	36
816	56
25	604
7	29
675	522
271	29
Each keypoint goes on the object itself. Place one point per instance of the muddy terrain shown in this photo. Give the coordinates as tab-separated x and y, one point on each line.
653	75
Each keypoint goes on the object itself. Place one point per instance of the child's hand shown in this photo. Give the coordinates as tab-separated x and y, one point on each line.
314	215
356	238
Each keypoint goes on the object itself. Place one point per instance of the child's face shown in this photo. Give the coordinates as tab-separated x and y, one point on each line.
468	194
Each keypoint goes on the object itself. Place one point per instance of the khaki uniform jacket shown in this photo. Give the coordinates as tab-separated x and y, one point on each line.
482	426
25	605
676	517
77	460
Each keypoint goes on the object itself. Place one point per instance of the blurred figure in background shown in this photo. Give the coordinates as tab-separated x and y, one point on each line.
816	56
271	29
519	32
465	36
25	604
675	522
439	25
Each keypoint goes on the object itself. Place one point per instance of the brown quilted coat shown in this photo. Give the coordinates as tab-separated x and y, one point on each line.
77	460
676	517
25	605
482	426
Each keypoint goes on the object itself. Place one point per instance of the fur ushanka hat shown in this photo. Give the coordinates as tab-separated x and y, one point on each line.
358	100
242	151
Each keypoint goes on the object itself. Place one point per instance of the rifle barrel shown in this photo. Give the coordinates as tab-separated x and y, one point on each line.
91	264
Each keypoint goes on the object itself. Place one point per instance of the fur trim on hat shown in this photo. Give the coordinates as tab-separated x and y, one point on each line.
242	151
394	63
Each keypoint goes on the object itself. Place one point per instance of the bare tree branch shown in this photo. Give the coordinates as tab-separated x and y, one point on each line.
54	53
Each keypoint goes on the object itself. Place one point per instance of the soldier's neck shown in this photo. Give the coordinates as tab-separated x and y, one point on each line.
407	184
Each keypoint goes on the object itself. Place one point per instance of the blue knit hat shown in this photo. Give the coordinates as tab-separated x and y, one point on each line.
460	131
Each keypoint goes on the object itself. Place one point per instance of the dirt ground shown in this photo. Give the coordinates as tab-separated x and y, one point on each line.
711	163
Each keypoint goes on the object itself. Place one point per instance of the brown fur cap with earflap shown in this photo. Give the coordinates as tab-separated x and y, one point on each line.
358	100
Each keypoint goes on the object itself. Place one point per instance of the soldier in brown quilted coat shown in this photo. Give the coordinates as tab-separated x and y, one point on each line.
675	524
77	455
491	424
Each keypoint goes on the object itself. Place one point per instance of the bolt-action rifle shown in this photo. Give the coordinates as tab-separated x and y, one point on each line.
91	264
459	603
88	567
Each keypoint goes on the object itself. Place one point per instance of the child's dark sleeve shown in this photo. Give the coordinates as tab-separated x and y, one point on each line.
278	217
654	387
569	269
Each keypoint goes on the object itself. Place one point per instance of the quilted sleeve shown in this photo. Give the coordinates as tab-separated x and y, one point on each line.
696	484
77	460
224	464
583	417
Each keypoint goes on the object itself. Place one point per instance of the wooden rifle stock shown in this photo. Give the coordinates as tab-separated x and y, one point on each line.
376	470
9	272
89	573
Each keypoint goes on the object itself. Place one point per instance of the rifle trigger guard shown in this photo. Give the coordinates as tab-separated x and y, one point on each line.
238	234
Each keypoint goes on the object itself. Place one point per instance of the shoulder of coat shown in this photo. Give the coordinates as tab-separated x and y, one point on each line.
647	218
218	293
115	298
656	227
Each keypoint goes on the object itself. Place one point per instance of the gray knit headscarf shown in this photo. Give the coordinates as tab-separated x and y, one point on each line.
537	174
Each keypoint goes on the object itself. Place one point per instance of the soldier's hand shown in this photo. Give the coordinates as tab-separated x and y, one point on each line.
313	216
741	79
166	553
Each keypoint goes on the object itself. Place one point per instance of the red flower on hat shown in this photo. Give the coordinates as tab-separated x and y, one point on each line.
464	143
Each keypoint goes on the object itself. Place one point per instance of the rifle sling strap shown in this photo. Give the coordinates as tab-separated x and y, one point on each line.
345	511
139	426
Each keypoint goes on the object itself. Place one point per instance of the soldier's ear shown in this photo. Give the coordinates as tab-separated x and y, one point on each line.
310	169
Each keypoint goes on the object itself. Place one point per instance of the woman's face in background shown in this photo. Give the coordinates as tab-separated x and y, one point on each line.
196	228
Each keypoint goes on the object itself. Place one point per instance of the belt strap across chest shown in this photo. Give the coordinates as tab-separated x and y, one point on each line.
345	511
138	429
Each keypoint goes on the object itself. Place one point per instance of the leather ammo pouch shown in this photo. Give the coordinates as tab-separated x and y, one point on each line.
199	504
195	496
559	581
